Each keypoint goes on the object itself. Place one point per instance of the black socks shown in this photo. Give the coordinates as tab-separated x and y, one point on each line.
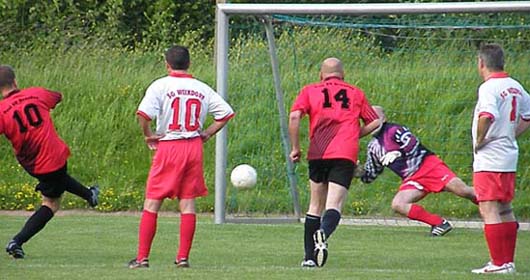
330	221
312	224
34	224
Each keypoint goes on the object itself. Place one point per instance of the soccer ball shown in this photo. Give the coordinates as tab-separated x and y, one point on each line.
244	176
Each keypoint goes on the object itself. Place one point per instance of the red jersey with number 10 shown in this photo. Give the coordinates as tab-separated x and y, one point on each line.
27	124
335	109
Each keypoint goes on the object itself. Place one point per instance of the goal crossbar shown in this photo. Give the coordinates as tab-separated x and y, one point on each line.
224	11
371	9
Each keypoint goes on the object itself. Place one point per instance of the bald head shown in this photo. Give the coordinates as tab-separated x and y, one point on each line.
331	67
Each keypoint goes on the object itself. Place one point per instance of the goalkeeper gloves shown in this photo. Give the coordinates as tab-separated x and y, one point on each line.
389	157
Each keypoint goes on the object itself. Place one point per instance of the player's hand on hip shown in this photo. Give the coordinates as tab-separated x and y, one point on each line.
480	145
389	157
152	141
295	155
205	136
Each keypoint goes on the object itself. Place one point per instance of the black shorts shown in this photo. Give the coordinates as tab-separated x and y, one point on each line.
52	184
338	171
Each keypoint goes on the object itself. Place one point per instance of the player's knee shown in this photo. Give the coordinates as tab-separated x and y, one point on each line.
398	206
53	203
187	205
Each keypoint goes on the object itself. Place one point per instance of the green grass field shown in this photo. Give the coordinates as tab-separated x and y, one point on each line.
92	246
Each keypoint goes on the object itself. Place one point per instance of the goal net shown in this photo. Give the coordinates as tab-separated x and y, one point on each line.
418	61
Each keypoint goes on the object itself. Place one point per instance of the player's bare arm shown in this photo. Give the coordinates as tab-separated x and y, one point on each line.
150	139
522	126
371	127
483	126
294	127
212	129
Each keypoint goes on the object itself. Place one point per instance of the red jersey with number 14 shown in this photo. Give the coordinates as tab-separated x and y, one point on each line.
27	124
335	109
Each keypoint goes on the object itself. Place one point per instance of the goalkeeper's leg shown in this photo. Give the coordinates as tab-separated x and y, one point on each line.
458	187
404	204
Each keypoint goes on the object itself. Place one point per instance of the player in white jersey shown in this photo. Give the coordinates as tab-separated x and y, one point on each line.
502	113
180	104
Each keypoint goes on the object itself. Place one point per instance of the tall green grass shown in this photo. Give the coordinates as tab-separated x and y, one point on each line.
430	90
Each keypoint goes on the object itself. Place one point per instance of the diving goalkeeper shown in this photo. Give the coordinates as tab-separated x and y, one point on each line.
422	172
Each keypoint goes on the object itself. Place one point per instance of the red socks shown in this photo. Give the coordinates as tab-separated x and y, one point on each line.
148	230
419	214
510	239
146	234
501	239
187	230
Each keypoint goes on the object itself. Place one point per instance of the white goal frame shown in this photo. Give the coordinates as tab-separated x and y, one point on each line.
224	11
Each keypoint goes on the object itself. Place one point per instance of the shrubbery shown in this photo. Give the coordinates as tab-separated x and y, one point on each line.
116	23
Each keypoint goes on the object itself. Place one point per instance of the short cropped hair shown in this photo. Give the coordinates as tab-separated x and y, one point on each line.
493	56
7	76
178	57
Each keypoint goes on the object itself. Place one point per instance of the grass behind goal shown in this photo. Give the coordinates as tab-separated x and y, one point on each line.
91	246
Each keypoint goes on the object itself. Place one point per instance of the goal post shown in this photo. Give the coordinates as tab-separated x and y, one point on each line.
224	11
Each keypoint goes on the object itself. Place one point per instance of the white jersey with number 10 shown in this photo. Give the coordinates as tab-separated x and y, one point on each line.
180	104
505	101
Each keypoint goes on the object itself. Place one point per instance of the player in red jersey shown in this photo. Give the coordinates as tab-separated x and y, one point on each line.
180	104
26	123
335	109
502	113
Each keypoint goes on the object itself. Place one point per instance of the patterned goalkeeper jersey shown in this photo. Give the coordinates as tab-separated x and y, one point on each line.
394	137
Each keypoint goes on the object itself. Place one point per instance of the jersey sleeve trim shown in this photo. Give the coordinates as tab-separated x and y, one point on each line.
143	115
487	115
225	118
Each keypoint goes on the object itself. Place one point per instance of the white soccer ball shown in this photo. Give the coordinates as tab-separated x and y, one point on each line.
244	176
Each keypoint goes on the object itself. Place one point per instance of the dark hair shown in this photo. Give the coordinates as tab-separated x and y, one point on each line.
178	57
493	56
7	76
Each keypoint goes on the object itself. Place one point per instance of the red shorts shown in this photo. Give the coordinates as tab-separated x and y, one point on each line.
176	170
494	186
432	176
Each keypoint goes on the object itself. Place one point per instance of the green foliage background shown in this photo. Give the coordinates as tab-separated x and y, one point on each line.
103	54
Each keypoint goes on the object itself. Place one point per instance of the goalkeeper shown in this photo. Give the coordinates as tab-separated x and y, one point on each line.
395	147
